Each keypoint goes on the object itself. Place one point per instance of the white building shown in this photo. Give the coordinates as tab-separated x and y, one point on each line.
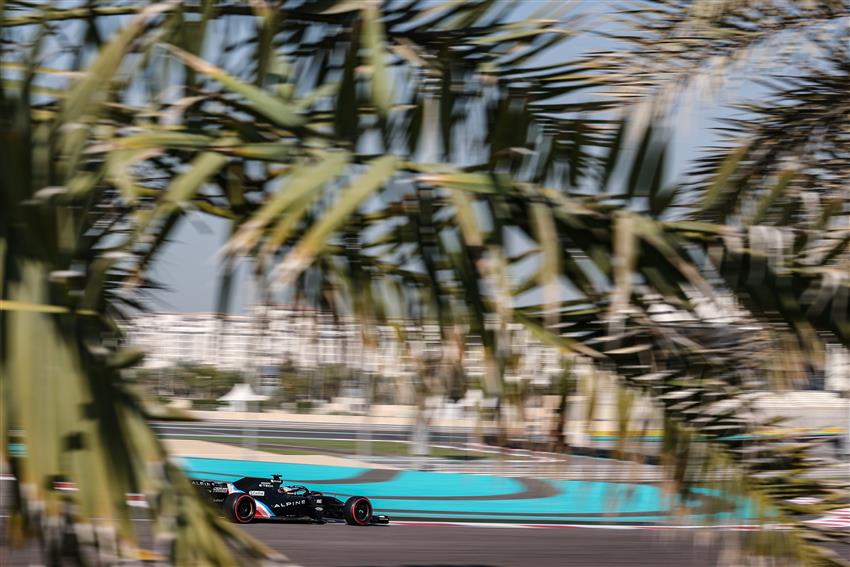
309	339
304	338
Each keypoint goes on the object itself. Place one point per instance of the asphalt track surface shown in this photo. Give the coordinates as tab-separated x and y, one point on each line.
339	545
400	545
421	546
336	545
450	546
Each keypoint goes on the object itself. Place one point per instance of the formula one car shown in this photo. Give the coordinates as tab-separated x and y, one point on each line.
252	498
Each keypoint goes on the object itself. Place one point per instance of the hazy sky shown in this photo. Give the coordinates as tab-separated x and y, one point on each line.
188	265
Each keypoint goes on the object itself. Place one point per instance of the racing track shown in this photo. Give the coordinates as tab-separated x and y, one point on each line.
332	545
408	545
422	495
432	546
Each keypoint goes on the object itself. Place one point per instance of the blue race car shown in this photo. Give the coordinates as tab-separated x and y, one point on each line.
252	498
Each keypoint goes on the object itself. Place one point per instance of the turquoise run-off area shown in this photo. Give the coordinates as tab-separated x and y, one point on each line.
455	496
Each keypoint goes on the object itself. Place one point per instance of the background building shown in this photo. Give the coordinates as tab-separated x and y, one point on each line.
269	338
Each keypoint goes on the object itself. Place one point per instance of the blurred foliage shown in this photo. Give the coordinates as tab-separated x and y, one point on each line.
382	160
191	381
304	384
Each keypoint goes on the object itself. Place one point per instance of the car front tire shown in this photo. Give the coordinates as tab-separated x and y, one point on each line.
357	511
240	508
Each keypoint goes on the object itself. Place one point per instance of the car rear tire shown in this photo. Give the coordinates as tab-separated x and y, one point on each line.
357	511
240	508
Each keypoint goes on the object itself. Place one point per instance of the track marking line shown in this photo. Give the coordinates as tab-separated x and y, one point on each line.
728	527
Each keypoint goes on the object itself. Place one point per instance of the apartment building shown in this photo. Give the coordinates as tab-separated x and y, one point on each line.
272	336
303	338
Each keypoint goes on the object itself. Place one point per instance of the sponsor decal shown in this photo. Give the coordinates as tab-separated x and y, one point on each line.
265	484
290	503
256	493
220	489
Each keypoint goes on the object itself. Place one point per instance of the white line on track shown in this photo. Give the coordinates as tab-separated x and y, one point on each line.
411	523
727	527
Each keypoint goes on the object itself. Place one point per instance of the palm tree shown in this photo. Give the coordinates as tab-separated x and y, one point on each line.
380	158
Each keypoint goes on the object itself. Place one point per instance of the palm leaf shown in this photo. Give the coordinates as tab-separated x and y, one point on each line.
378	172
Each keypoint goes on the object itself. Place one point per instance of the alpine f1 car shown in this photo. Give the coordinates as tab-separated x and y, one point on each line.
251	498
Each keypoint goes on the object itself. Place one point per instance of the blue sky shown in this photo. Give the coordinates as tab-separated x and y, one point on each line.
188	266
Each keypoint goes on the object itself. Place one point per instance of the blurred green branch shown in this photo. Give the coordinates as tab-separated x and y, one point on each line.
408	147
